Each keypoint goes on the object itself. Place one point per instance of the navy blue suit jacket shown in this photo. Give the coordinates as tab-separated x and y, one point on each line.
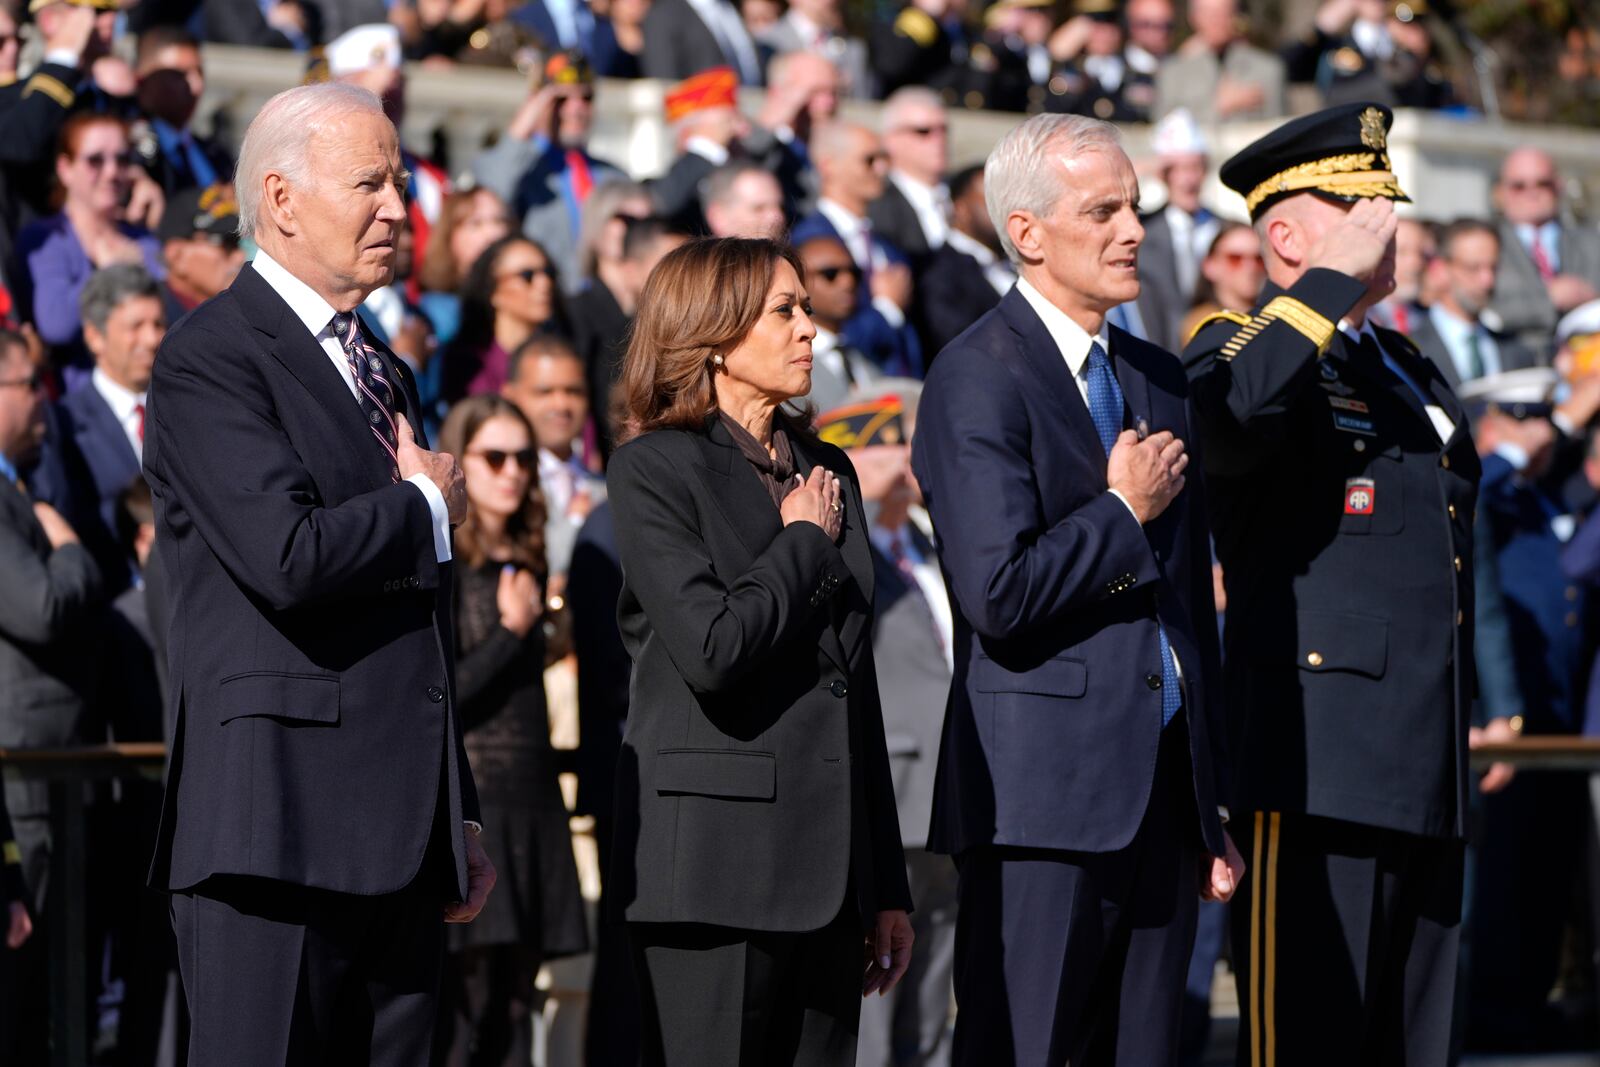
895	349
1054	718
109	460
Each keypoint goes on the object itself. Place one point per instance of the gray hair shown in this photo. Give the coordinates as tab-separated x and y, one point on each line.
1020	175
279	139
717	187
108	287
908	98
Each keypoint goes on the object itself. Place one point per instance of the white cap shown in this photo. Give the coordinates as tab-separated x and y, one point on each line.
1178	135
1585	318
362	48
1513	391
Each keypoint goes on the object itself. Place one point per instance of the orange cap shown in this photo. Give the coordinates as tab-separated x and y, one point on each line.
717	87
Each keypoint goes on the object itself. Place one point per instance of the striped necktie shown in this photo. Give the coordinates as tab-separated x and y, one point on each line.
373	391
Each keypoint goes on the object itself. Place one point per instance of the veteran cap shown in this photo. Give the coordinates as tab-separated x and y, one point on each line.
1523	394
362	48
568	68
1340	154
717	87
210	212
880	421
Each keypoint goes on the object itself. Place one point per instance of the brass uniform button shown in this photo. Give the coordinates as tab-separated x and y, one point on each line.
1458	564
1452	510
1444	461
1359	445
1314	658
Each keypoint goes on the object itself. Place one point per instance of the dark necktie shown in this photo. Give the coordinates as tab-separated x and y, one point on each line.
1106	410
373	391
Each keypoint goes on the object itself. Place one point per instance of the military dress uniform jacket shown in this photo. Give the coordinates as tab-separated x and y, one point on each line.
1344	529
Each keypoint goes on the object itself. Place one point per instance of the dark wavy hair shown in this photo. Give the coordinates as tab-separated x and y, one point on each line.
525	529
700	301
476	333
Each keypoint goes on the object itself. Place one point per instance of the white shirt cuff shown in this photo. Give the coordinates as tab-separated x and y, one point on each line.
441	516
1512	455
890	310
64	57
1125	504
476	826
1222	810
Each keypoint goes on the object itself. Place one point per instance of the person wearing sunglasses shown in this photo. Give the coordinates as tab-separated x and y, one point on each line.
838	369
913	212
94	168
1547	266
1231	276
199	246
509	295
501	577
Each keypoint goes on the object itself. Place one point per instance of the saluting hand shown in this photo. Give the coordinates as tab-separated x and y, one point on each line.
440	468
1358	244
1148	473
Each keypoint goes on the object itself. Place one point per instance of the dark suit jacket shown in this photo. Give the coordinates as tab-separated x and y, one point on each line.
49	602
1344	529
914	681
311	678
594	582
753	785
952	294
101	450
678	43
1514	355
895	220
1054	720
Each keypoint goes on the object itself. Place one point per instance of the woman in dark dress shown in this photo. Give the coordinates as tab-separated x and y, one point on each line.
537	912
509	295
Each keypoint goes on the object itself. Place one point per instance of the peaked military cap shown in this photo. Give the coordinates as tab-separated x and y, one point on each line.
1339	153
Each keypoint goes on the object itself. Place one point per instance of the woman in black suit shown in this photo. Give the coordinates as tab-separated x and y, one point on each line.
757	853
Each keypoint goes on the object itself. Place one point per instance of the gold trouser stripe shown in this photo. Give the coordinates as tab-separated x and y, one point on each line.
1255	943
1269	1007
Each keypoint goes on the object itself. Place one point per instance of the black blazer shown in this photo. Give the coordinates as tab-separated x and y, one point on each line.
754	784
1054	719
309	654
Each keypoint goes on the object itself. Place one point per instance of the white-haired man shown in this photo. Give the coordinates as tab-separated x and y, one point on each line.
1083	757
913	212
320	812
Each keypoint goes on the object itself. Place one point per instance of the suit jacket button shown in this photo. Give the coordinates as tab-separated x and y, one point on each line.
1458	564
839	689
435	694
1153	681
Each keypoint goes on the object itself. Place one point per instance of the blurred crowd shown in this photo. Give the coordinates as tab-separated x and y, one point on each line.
514	291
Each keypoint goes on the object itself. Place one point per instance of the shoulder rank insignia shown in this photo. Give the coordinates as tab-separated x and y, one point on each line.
918	25
1220	315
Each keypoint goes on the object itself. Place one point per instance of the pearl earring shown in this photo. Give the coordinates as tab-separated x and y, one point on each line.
717	359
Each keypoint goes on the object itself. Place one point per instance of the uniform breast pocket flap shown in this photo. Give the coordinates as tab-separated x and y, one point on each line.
1371	499
1058	677
717	772
1340	641
310	698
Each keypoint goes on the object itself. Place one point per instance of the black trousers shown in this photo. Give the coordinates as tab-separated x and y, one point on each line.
718	997
1080	957
1344	943
278	975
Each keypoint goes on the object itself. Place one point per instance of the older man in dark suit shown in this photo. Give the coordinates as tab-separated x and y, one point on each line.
1452	332
1083	754
49	590
320	812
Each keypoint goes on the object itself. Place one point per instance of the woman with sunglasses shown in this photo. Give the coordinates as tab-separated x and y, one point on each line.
509	295
1231	276
500	572
756	846
94	170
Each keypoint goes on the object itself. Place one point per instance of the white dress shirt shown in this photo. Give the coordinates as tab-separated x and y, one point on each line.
1443	424
856	233
561	480
707	149
1457	334
126	406
930	202
316	314
928	578
997	269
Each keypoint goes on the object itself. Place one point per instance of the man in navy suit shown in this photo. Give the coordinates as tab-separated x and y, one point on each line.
320	817
123	323
1083	757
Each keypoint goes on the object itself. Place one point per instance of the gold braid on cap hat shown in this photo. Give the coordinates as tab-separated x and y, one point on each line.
1347	175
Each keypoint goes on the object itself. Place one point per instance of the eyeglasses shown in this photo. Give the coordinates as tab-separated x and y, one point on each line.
528	274
875	159
1547	185
524	458
1164	26
1242	259
925	131
831	274
99	160
32	383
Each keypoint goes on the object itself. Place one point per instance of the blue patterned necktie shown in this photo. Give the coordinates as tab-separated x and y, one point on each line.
373	391
1105	410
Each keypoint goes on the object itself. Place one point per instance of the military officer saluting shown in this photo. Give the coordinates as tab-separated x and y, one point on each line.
1342	478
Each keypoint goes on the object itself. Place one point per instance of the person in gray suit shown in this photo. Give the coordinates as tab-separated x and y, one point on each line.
1179	234
542	166
818	26
1217	74
1547	266
913	644
49	601
1452	332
